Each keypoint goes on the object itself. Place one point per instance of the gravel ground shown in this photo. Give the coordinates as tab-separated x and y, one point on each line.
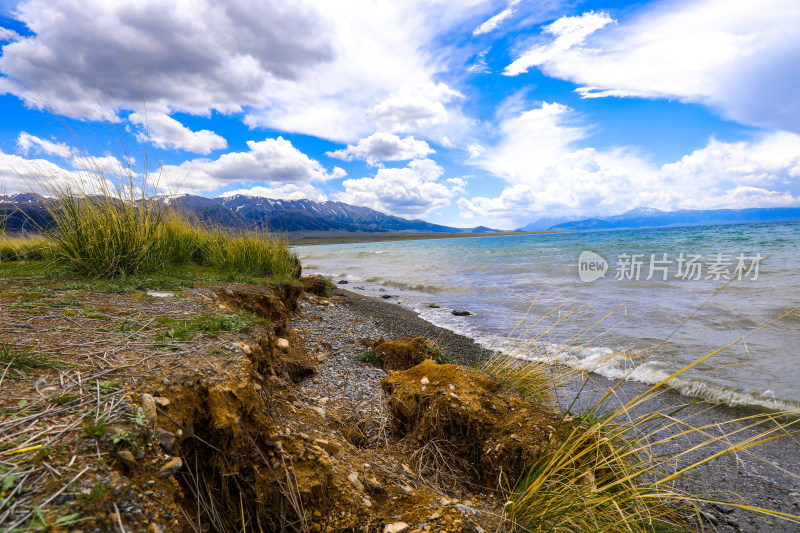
766	478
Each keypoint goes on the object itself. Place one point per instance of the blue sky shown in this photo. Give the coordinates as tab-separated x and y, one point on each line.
460	112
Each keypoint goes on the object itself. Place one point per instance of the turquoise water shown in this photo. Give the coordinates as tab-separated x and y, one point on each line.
656	326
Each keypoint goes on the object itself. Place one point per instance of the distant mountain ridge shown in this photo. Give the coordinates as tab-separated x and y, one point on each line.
648	217
24	212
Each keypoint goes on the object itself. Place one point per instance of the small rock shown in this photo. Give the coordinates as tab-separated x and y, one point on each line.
283	344
149	408
157	294
461	312
127	457
424	380
343	282
709	518
172	466
466	510
353	479
163	402
434	516
319	410
407	469
406	489
722	508
387	296
329	446
155	528
165	439
434	306
397	527
374	486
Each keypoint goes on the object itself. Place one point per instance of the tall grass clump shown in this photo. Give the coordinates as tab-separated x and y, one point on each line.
249	252
613	469
111	224
25	248
106	231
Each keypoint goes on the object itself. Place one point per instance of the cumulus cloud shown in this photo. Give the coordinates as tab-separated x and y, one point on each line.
188	56
288	191
270	160
8	35
166	132
758	173
549	173
310	67
736	57
28	143
410	191
22	174
414	107
384	146
475	150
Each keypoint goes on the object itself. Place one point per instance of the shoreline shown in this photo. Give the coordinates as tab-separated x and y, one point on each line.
343	237
763	477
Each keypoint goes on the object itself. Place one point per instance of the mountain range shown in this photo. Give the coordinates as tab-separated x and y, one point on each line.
25	212
648	217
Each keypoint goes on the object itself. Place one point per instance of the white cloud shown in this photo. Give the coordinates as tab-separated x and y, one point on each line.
743	174
459	185
188	56
410	191
414	108
567	33
384	146
166	132
28	143
549	173
8	35
106	165
270	160
310	67
494	22
288	191
475	150
736	57
21	174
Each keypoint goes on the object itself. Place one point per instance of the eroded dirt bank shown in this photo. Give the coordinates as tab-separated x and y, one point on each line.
242	407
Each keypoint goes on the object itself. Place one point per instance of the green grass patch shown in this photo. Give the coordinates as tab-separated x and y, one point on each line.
436	353
25	358
211	326
368	355
94	428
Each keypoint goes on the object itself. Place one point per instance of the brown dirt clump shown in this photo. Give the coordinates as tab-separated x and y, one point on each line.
401	354
316	285
276	304
472	416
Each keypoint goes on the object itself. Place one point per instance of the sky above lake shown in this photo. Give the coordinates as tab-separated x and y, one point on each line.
459	112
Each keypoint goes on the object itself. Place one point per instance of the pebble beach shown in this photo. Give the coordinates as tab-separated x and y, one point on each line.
764	476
